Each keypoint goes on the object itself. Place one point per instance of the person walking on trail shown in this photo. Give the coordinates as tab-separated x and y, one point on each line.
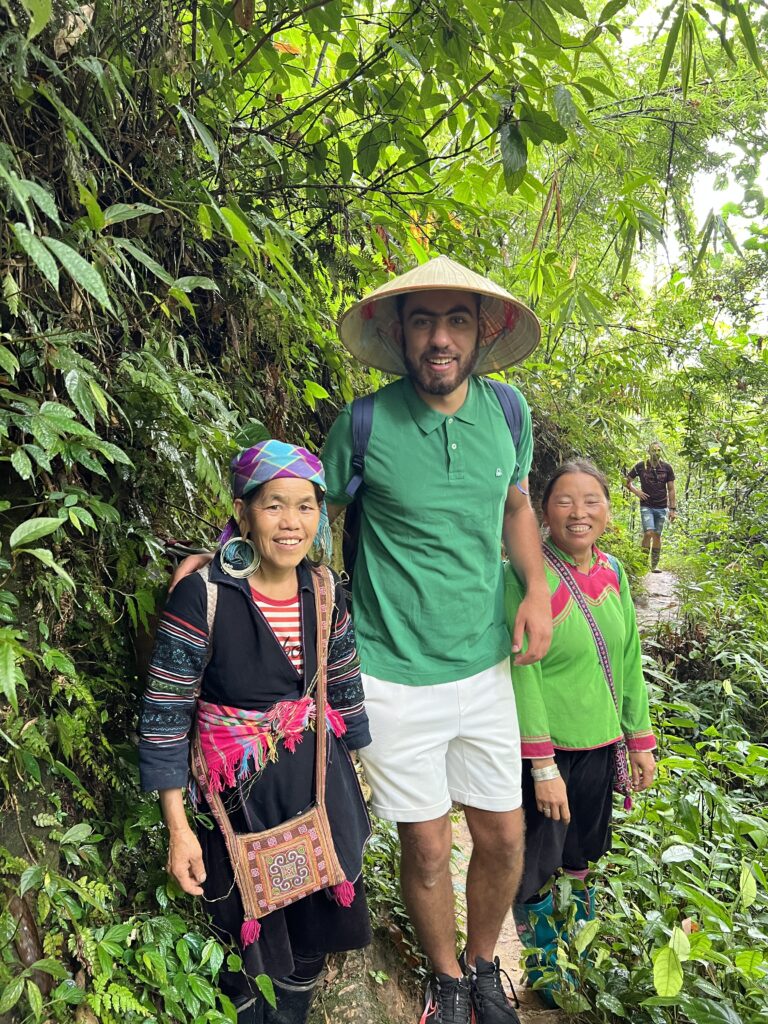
657	499
579	742
443	482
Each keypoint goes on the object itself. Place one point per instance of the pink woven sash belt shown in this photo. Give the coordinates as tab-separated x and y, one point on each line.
238	744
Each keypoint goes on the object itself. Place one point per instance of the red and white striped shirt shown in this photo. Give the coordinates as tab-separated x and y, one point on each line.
284	619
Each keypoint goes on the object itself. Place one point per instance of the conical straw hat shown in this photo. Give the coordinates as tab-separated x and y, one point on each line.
510	331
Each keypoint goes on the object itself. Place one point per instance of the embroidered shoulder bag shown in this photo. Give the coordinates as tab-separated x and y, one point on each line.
281	865
622	783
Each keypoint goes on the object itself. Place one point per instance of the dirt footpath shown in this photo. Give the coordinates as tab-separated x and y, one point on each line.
508	949
659	602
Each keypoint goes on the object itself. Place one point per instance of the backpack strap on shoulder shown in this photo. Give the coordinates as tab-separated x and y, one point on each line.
362	424
614	565
212	595
513	413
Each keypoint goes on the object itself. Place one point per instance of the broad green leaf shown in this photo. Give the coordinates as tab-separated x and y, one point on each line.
747	886
35	999
346	163
567	114
37	252
46	89
669	49
747	34
678	853
144	258
611	8
8	361
77	385
33	529
77	834
22	465
514	155
50	966
239	230
368	150
606	1001
750	962
12	993
202	132
586	936
44	555
40	13
679	941
9	673
91	203
707	1011
99	395
43	199
204	220
11	293
81	271
188	284
119	212
667	972
544	20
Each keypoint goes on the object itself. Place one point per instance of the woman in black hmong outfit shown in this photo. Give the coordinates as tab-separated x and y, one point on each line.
263	658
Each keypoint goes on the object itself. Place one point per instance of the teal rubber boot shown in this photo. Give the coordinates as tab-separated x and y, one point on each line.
584	899
537	930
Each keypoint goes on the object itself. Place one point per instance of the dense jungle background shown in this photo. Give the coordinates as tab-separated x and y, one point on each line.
190	194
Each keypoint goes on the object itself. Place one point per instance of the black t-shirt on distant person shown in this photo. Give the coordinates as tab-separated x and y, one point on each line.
653	480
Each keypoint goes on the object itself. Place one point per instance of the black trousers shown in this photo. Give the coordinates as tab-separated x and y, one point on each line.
552	845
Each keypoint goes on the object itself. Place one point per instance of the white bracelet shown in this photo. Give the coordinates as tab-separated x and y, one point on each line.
546	774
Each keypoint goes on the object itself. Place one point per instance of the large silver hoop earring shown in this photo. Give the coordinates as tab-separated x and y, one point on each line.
239	558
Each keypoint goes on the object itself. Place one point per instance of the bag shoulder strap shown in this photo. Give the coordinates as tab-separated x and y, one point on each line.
564	572
509	400
362	424
324	587
615	564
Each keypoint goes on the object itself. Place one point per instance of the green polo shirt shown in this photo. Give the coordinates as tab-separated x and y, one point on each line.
428	589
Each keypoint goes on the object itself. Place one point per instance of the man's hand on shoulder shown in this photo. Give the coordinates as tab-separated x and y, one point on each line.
534	621
189	565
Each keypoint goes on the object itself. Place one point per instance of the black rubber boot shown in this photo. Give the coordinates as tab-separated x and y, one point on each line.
293	1003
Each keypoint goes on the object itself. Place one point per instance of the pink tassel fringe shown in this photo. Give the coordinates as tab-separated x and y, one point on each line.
250	931
627	803
343	893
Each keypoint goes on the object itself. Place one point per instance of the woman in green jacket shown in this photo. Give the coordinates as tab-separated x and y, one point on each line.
582	709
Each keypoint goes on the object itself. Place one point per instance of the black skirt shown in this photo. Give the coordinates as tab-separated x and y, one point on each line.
315	924
554	845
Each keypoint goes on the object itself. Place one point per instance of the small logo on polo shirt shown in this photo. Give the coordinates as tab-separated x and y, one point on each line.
498	472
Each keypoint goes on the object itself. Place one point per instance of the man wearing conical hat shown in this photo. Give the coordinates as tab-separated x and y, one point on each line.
443	483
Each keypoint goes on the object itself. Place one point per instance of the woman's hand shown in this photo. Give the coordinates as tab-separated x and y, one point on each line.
185	860
642	765
552	800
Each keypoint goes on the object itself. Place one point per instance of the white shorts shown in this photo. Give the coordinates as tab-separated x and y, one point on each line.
442	744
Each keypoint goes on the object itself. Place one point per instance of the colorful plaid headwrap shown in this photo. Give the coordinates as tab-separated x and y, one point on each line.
270	460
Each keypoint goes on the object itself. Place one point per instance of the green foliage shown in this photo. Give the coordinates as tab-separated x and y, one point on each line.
190	195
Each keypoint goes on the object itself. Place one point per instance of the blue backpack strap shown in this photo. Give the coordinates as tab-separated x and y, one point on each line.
513	413
362	424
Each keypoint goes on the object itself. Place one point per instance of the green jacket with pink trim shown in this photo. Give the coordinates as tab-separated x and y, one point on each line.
563	701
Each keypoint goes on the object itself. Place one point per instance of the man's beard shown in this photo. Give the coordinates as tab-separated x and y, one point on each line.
430	382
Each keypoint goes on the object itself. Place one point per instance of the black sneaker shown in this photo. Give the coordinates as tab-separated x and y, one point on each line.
491	1003
447	1001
